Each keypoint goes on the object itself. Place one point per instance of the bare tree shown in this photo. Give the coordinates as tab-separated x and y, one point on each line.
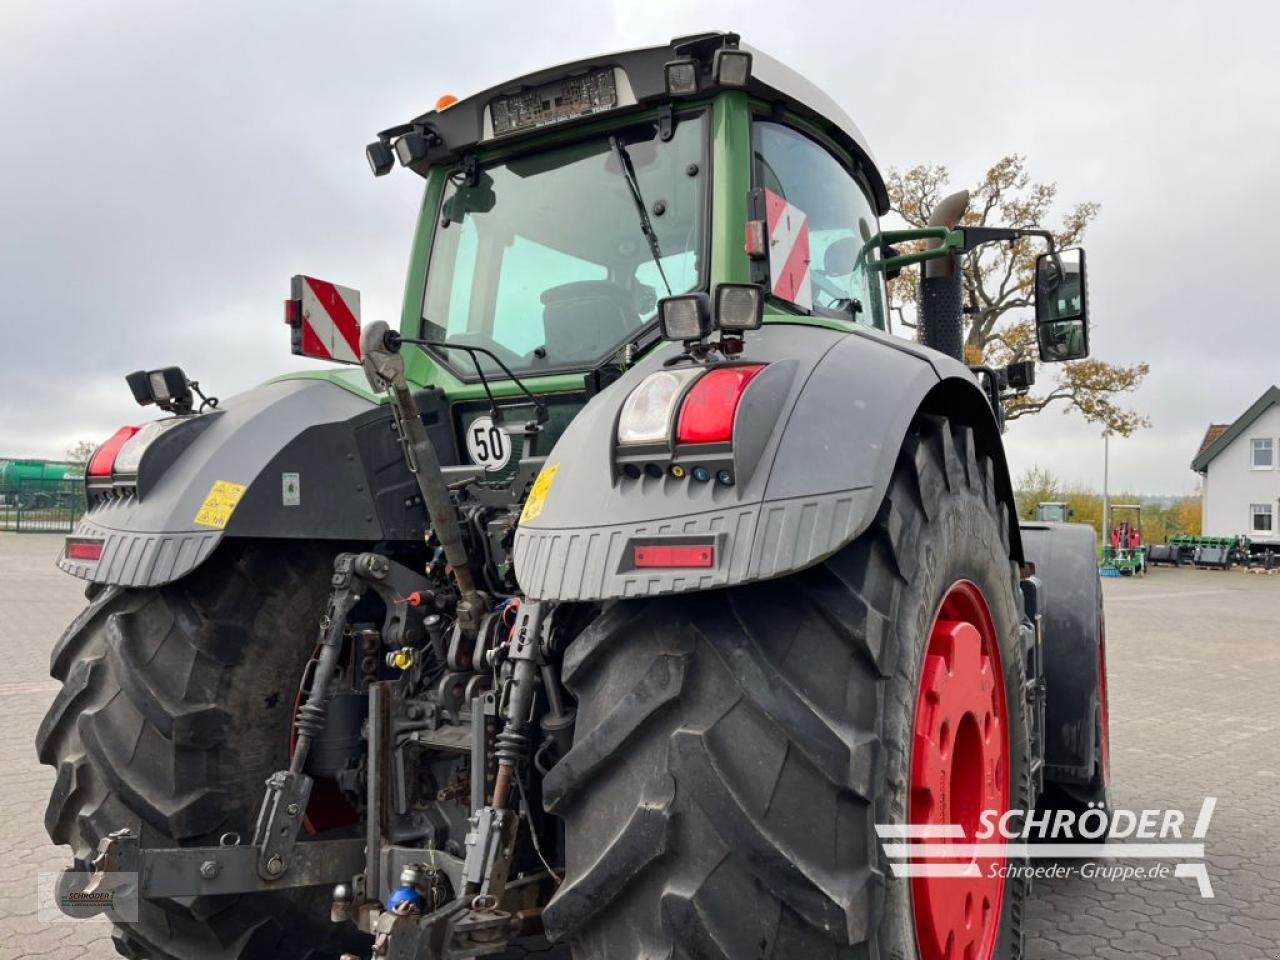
999	283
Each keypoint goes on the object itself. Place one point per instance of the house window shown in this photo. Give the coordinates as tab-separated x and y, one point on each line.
1264	454
1260	518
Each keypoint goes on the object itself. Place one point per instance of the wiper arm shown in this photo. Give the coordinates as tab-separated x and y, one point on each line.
629	174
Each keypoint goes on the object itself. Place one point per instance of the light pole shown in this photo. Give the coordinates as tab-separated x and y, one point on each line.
1106	490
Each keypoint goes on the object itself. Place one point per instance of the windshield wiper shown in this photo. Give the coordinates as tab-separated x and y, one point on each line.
629	174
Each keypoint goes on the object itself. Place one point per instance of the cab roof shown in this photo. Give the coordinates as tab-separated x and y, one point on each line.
467	123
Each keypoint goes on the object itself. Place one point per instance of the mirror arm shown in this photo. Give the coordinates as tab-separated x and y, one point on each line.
952	241
975	237
957	241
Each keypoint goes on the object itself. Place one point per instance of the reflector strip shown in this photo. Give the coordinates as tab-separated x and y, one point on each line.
676	555
84	550
329	326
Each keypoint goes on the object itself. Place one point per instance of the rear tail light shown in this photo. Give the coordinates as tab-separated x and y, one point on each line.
104	458
709	408
698	555
648	413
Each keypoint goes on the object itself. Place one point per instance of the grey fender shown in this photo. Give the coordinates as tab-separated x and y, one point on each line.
1066	560
816	439
306	427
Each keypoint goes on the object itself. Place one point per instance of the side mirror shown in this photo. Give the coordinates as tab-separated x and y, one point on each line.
1062	306
324	320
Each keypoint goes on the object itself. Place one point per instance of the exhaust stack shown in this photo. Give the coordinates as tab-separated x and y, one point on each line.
941	293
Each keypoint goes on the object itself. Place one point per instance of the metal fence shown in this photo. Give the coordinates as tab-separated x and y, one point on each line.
42	506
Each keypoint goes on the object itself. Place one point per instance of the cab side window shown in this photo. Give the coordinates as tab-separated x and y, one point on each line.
822	204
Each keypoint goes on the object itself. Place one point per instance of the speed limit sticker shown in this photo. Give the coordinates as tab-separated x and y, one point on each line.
487	445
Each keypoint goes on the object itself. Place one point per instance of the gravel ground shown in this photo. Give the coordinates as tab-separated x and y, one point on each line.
1194	660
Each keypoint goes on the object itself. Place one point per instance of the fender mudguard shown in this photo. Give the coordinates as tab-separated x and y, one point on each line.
816	439
1066	561
308	429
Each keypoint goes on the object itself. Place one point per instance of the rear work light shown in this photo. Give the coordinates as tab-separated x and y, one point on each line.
709	408
104	458
697	555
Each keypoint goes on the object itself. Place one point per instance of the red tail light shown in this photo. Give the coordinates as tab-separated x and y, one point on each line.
104	458
676	555
709	409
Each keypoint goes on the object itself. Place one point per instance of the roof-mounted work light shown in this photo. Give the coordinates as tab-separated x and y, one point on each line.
413	146
682	77
380	156
731	67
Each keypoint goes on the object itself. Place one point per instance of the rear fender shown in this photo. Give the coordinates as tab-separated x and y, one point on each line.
257	440
1066	561
816	439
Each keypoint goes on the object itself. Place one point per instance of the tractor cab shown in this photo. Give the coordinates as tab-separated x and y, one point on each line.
1054	512
560	210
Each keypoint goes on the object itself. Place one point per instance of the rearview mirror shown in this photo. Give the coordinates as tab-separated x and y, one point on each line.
324	319
1062	306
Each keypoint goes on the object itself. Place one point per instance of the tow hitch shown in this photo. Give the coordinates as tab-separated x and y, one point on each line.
438	906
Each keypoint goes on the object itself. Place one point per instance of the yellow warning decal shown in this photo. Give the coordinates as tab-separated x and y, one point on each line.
538	495
219	504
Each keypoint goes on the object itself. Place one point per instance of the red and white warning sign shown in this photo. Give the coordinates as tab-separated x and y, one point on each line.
788	251
325	319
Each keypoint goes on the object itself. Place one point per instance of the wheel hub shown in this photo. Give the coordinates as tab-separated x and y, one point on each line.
959	768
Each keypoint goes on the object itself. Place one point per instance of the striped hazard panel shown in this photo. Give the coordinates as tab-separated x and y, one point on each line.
788	251
325	319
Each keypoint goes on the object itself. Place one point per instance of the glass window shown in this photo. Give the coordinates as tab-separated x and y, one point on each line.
839	214
1260	518
1263	454
544	260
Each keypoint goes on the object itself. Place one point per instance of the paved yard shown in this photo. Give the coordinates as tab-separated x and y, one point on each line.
1195	683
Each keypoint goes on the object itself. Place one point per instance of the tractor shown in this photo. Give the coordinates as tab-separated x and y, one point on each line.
1054	512
1125	553
618	600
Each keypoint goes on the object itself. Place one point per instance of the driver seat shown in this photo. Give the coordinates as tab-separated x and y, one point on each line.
587	317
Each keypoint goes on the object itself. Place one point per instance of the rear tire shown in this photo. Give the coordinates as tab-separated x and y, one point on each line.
735	749
175	708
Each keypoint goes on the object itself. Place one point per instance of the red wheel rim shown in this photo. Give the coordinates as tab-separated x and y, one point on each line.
959	768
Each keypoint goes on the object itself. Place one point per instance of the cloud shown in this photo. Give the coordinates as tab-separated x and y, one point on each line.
164	169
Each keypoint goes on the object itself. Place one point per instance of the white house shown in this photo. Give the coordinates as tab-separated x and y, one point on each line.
1240	463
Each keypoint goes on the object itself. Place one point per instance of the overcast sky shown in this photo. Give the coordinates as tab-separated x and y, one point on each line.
166	167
